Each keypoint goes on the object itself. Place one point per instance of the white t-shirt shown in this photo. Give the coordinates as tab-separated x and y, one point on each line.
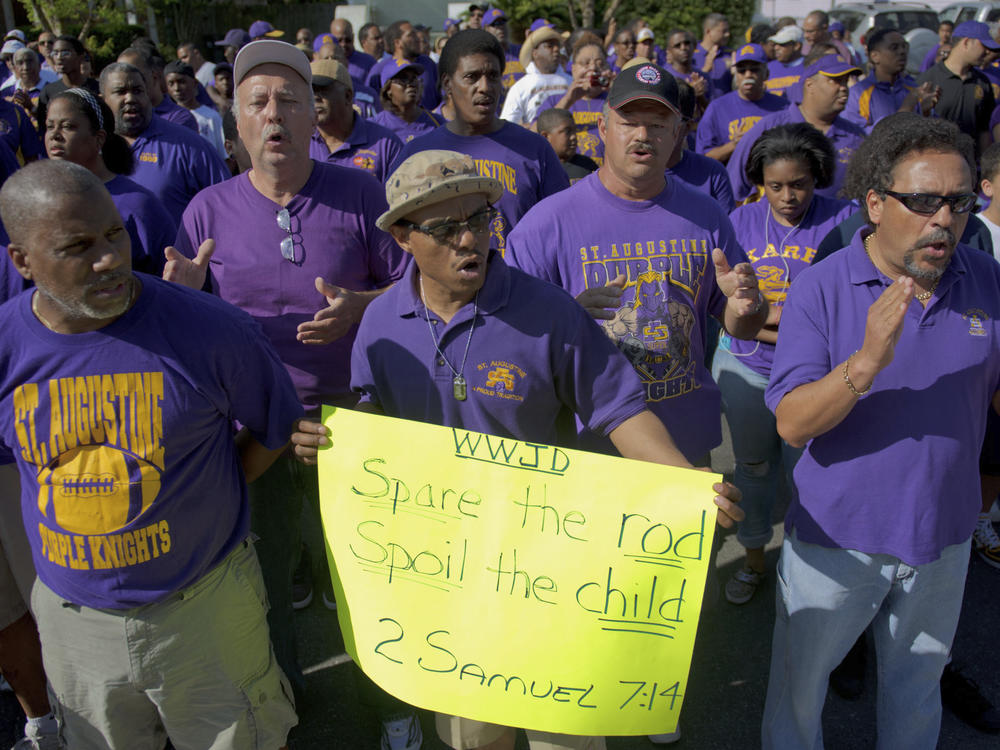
210	128
206	74
994	234
526	96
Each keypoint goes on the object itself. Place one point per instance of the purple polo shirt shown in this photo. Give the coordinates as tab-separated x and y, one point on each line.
523	381
869	100
369	147
174	163
706	175
779	254
170	111
403	130
359	64
730	116
523	161
431	96
781	77
584	237
333	228
900	474
843	134
586	113
149	225
720	75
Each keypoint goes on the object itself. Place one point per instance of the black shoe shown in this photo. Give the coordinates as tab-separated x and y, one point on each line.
848	679
962	696
302	581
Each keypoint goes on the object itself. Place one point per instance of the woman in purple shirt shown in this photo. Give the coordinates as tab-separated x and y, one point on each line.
79	127
401	110
780	236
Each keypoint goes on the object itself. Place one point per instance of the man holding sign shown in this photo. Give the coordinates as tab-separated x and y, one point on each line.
420	348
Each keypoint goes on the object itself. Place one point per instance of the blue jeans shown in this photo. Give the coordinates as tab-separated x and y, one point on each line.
759	451
825	600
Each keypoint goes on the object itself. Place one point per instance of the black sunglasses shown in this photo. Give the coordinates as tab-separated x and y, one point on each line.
928	205
446	232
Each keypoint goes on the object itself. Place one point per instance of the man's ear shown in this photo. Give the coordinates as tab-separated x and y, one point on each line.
402	236
19	258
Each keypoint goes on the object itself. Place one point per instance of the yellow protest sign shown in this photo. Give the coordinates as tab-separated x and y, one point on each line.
513	582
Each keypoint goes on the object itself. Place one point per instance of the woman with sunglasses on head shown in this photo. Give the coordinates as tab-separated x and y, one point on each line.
401	93
779	235
79	127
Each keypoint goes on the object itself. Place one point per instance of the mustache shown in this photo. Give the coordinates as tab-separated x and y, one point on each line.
939	235
641	146
273	129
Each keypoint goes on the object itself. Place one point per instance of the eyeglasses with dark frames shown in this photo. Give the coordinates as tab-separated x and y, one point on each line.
446	232
927	204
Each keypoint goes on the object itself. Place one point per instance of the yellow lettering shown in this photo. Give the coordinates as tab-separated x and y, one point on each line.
96	544
164	530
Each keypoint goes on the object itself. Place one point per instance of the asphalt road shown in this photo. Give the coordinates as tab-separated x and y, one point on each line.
725	695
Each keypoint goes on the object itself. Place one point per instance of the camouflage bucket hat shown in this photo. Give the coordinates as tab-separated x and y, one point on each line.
429	177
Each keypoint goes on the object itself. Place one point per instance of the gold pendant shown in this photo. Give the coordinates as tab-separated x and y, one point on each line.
458	388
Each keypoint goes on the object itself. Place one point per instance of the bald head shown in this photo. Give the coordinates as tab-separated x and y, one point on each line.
343	32
27	197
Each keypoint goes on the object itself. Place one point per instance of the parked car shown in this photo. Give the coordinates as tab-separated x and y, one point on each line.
959	12
917	22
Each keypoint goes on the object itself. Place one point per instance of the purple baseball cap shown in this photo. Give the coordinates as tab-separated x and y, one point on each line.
449	22
836	26
540	23
394	67
750	53
263	28
493	15
234	38
832	66
975	30
322	39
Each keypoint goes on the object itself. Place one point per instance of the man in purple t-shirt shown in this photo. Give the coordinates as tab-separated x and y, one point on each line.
731	115
295	246
152	73
483	311
342	135
886	380
785	70
650	257
471	65
358	62
119	405
171	161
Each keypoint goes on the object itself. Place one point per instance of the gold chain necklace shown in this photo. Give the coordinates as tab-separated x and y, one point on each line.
923	296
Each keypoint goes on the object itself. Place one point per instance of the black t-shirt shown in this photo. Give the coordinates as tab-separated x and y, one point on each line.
54	89
968	102
578	167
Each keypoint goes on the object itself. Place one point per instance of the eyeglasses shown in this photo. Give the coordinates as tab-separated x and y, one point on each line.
405	82
284	220
926	204
446	232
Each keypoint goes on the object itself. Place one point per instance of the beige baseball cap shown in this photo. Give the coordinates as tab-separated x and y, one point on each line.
270	51
325	72
429	177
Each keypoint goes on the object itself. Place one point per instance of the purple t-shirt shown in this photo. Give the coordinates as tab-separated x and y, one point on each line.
730	116
869	100
131	484
370	147
900	474
403	130
149	225
170	111
18	131
779	254
335	237
359	64
930	58
586	114
781	76
523	161
705	175
584	237
431	96
720	76
174	163
523	381
686	77
843	134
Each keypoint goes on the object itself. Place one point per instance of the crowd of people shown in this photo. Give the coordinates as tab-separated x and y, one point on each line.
199	255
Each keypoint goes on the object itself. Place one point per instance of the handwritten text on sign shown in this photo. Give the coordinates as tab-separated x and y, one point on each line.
513	582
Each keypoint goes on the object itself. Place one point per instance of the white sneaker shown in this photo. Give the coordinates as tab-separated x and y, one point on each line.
986	541
35	740
403	733
669	738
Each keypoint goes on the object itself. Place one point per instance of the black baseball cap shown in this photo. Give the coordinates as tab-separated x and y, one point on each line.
645	81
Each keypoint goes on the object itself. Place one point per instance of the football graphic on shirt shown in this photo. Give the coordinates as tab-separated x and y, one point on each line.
96	489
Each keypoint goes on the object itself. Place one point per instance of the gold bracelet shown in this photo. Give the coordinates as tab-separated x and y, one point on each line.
847	379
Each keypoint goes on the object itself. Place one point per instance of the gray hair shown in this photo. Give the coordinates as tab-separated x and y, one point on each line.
119	67
27	194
